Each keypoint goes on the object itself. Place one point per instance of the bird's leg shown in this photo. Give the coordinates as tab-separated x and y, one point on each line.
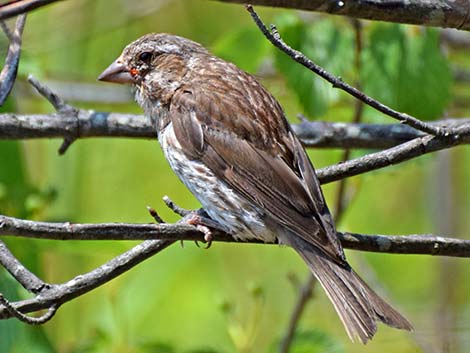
201	220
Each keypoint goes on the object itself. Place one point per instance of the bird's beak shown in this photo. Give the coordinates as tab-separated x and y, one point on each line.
117	72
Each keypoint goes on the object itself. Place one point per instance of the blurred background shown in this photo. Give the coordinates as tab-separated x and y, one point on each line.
234	298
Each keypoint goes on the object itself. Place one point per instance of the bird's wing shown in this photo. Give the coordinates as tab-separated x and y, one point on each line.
258	156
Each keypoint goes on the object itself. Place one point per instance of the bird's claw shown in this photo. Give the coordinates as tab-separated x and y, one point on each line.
195	219
207	235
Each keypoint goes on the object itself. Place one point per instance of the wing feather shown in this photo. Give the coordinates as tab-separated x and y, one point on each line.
282	183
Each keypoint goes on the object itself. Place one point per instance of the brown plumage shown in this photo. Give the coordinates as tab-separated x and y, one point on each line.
227	139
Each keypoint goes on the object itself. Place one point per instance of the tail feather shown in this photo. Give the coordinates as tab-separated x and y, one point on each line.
357	305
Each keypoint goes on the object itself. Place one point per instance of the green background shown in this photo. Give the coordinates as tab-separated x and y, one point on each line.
233	298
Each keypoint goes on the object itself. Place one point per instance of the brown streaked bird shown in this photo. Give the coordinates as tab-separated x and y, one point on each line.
227	139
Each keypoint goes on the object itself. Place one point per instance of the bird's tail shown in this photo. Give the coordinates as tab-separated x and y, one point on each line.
357	305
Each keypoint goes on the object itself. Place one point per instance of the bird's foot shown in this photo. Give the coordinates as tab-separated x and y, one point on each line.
201	220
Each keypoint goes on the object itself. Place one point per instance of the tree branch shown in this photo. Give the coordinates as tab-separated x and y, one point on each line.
388	157
322	134
436	13
410	244
89	123
83	124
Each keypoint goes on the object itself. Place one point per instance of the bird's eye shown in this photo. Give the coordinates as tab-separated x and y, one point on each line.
145	56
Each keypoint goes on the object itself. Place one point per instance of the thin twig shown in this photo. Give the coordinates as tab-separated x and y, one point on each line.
10	69
57	102
305	294
28	319
274	37
357	117
62	108
14	8
153	213
60	293
175	208
26	278
6	30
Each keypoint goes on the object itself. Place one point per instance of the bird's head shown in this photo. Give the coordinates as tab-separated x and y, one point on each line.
155	64
151	52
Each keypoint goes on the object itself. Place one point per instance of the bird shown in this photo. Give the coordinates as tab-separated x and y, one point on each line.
228	140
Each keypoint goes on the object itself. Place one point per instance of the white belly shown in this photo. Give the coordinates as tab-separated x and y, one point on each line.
237	215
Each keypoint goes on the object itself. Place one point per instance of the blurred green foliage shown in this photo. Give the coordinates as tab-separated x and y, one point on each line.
251	48
326	40
415	76
312	341
232	298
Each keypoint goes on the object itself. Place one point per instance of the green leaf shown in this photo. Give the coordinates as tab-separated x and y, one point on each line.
245	47
405	69
325	43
